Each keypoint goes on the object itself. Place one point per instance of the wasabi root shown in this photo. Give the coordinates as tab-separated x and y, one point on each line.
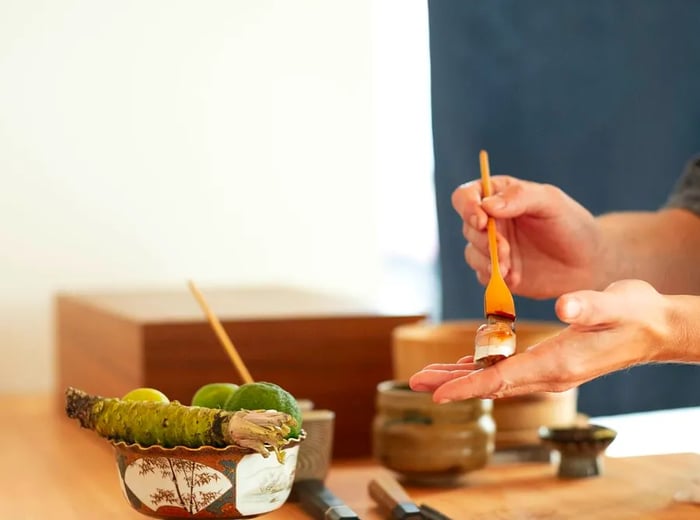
172	424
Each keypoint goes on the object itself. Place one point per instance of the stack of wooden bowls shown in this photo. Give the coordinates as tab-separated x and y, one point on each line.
517	418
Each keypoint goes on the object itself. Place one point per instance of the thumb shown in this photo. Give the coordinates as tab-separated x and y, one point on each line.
513	198
589	308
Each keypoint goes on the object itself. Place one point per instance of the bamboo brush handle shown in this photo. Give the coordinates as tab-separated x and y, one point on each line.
221	334
490	224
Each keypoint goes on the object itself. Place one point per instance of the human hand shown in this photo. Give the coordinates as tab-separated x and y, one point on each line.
627	324
548	243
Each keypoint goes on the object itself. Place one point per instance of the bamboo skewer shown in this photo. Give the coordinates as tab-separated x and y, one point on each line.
221	334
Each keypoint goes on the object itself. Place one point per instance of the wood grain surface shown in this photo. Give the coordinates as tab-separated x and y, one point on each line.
53	469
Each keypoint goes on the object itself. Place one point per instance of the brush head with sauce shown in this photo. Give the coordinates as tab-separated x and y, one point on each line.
495	340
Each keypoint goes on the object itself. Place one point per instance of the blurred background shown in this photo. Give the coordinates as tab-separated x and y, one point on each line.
315	143
232	142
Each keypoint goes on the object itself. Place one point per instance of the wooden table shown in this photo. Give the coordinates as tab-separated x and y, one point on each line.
52	469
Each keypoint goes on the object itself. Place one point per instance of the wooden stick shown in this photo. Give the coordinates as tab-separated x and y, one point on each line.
221	334
498	299
490	223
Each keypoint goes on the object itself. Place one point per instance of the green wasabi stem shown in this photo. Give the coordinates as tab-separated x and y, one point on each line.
172	424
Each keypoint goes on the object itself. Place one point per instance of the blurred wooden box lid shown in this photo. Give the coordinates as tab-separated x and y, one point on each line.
330	349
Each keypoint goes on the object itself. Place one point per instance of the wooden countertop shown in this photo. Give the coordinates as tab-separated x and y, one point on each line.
51	468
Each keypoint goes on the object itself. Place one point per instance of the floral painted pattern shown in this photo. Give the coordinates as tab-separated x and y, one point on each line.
175	482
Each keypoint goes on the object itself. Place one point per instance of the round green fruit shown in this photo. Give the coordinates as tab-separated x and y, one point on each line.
213	395
266	396
146	394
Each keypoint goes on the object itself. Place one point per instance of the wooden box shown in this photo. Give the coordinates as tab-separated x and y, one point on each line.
327	349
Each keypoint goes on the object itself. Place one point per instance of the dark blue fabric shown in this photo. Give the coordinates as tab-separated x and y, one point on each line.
600	97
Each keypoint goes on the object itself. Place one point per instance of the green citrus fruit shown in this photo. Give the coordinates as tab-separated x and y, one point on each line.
146	394
213	395
266	396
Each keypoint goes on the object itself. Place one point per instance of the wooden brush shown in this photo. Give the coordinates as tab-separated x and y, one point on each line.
498	300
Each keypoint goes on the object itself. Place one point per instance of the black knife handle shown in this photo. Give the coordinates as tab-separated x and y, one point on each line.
430	513
321	503
341	513
391	496
406	511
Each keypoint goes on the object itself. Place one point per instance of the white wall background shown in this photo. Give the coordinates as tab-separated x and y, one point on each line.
146	142
403	154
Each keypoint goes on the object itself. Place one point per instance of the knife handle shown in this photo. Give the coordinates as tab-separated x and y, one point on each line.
317	500
390	495
430	513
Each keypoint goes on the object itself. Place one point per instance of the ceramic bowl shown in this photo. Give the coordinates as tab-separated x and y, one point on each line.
580	448
425	442
206	482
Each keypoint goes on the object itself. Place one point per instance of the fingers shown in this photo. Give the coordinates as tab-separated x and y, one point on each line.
428	380
625	300
523	197
512	265
484	384
477	253
480	239
511	198
436	374
481	264
467	365
591	308
478	261
466	200
518	375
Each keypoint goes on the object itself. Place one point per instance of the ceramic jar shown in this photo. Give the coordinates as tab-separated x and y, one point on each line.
427	442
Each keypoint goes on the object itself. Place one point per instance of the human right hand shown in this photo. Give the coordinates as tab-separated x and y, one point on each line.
548	244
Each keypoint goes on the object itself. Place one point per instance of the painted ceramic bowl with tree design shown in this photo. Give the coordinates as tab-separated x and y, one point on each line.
205	482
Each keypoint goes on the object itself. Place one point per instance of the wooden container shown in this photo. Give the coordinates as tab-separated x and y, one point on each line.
330	350
517	418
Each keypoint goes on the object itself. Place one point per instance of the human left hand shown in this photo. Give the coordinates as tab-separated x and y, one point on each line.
628	323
